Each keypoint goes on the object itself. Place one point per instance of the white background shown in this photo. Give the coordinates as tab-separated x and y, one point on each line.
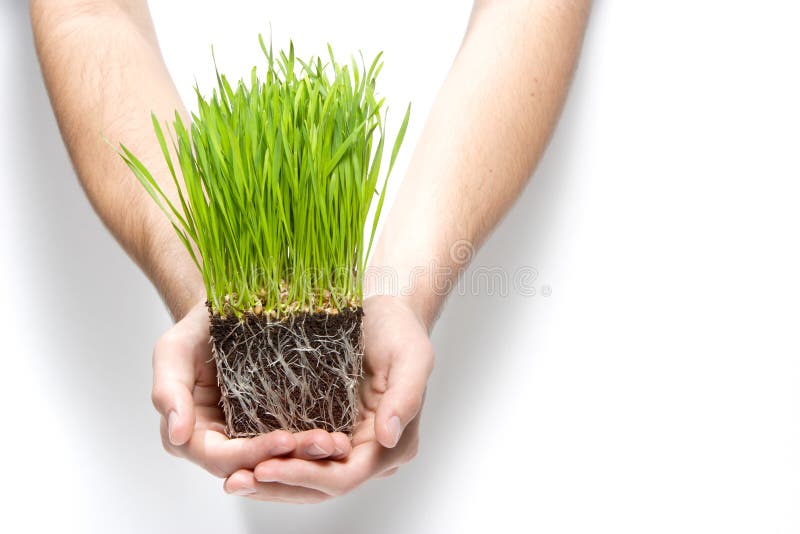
655	390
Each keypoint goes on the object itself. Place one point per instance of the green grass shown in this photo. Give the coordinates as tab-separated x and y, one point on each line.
278	175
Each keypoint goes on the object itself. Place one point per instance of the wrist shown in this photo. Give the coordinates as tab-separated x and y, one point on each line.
425	307
183	298
422	287
422	299
172	271
408	304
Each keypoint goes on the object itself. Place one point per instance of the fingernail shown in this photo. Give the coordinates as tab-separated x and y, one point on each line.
395	428
315	450
278	450
172	421
244	491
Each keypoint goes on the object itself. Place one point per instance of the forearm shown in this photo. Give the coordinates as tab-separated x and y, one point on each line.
487	130
105	74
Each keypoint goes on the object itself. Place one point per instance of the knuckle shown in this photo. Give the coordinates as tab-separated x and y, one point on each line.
170	341
162	344
419	399
337	491
344	488
342	491
411	452
430	357
317	499
389	472
216	470
159	395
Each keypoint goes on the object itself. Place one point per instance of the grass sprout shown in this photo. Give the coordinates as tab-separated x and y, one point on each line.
275	179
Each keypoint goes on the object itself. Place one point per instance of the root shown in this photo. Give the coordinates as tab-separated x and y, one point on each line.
294	374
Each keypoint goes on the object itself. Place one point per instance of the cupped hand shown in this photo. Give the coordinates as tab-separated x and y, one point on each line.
398	361
186	394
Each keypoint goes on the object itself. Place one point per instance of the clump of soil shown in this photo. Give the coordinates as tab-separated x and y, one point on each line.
296	373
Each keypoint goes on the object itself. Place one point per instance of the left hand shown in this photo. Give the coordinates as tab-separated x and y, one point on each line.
186	394
397	363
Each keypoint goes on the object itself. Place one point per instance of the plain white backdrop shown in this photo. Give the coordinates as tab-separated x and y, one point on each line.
655	390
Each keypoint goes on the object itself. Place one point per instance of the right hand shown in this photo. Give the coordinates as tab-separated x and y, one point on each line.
398	360
186	394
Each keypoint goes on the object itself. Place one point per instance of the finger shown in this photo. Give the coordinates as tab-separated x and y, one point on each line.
211	418
221	456
206	395
387	473
322	444
174	375
168	446
173	378
243	483
402	401
331	477
314	445
341	446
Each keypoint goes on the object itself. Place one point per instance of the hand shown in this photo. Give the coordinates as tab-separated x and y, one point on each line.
185	392
398	362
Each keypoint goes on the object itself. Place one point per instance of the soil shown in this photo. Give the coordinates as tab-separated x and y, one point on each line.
295	374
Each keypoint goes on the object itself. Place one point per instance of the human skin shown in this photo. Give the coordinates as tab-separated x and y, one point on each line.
487	130
95	57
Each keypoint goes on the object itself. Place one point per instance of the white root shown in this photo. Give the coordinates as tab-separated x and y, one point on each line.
278	375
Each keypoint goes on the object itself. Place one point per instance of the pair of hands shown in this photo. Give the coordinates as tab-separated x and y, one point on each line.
304	467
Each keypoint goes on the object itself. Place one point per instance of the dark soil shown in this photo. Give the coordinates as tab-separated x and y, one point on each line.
291	374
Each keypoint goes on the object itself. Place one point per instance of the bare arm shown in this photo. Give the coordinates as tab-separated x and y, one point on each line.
105	74
487	130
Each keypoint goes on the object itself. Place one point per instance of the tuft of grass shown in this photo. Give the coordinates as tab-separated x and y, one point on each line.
278	176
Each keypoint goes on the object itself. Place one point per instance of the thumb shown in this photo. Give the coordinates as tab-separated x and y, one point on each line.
173	383
402	401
